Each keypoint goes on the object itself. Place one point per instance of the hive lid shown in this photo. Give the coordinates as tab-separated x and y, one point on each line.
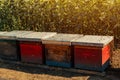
36	36
2	32
90	40
14	34
61	39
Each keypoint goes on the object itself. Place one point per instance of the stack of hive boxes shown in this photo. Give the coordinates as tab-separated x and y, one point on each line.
64	50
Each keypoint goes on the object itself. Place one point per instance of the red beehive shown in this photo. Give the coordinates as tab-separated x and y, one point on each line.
58	51
31	48
92	52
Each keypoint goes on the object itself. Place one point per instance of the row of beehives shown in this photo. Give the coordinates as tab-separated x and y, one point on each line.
63	50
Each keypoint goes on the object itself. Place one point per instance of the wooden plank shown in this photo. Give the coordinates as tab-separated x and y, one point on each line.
2	32
61	39
56	68
87	47
64	37
58	53
92	40
36	36
13	34
30	42
56	42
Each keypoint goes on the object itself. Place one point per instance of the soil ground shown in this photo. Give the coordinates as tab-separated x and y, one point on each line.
17	72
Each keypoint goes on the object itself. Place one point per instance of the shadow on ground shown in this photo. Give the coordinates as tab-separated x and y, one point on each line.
111	75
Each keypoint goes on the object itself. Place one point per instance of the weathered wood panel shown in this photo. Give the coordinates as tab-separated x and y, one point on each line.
9	49
58	53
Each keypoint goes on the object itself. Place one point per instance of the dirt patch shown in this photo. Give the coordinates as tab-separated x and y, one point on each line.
17	72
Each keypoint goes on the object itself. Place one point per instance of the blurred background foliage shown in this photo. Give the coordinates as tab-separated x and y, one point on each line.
97	17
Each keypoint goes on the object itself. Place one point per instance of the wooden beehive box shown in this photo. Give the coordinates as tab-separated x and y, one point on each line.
92	52
31	49
58	50
9	49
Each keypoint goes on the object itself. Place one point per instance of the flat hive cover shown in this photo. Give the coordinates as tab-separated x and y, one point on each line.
37	36
90	40
14	34
2	32
61	39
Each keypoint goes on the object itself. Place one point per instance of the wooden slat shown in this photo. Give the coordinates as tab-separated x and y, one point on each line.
88	47
56	42
58	53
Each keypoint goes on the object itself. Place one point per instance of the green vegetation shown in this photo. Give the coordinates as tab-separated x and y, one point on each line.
99	17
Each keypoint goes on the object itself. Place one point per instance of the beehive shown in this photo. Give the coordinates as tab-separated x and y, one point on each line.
92	52
9	49
31	48
58	50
